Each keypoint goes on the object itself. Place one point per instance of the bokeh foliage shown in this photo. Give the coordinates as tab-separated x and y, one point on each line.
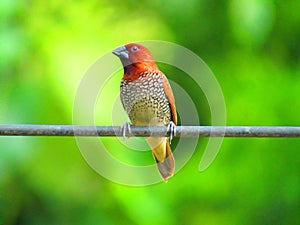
253	48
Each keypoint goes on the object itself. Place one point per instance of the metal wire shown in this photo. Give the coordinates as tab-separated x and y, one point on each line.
159	131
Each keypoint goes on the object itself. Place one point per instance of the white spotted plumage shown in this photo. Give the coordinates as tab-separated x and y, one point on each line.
145	101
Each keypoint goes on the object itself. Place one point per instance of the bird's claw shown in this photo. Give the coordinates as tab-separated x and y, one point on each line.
172	129
126	130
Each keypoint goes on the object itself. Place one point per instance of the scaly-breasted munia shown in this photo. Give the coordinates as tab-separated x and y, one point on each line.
148	99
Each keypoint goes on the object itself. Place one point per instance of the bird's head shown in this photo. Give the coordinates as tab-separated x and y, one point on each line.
135	58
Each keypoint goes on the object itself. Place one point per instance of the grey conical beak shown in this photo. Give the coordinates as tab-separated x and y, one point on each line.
121	52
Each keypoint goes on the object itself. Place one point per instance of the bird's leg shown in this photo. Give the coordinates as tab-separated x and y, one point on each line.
124	129
172	129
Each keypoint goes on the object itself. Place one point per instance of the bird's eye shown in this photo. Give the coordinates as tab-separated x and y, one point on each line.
134	48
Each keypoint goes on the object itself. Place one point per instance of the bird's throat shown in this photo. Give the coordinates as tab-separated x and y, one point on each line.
133	71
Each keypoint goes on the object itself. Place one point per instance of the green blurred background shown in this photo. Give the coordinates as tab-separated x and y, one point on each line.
253	48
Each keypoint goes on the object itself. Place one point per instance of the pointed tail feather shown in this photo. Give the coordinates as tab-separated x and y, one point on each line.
166	167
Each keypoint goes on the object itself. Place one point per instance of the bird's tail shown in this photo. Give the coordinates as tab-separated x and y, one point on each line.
163	156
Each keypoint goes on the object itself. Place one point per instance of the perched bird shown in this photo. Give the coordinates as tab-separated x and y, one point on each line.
148	99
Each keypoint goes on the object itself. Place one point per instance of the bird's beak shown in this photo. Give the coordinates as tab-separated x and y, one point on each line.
121	52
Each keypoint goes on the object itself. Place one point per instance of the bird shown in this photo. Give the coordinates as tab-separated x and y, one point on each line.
147	98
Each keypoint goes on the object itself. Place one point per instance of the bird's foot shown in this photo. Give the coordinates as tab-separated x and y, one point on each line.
172	129
126	130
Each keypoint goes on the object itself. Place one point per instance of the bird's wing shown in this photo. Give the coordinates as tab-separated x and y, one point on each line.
170	96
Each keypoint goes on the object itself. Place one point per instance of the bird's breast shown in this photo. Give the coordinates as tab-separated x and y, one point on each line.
145	101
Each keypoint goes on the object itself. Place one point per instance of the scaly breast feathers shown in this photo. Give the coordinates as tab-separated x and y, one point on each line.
145	101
